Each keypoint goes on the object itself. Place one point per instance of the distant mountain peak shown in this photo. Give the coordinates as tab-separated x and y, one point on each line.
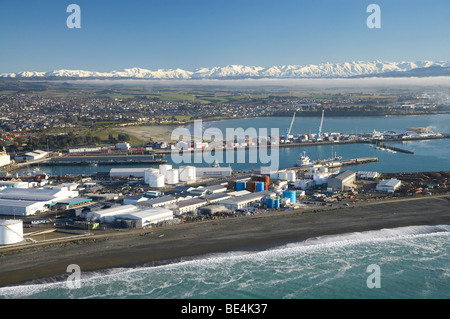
232	71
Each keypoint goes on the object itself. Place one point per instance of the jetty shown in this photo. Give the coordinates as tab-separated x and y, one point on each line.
339	163
392	148
100	161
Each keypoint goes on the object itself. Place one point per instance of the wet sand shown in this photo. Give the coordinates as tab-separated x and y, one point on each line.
180	242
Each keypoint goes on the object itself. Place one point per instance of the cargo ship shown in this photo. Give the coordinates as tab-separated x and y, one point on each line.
305	161
336	161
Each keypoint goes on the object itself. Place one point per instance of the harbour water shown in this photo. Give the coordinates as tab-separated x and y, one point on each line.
413	263
429	155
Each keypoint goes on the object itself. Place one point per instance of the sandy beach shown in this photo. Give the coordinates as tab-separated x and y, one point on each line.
180	242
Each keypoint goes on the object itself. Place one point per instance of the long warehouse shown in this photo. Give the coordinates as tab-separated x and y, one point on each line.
21	207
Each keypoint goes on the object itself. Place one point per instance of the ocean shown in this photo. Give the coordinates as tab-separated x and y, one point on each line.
401	263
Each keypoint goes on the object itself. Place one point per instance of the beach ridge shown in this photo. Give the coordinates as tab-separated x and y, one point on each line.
166	244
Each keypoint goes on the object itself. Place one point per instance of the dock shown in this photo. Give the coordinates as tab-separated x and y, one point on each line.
105	161
393	148
340	163
359	161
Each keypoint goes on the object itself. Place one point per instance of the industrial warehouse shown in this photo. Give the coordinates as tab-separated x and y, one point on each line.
167	195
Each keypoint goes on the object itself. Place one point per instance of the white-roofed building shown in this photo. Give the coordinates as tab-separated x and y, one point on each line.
246	200
148	217
367	175
159	201
133	200
142	217
109	215
14	184
34	155
48	193
189	205
127	172
239	193
343	181
389	185
14	207
29	201
206	172
5	159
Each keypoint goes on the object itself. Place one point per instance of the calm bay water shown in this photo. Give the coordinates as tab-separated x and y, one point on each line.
429	155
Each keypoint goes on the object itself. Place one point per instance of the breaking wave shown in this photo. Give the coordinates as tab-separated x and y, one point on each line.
324	258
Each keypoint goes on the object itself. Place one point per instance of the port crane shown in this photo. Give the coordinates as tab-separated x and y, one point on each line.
288	131
319	133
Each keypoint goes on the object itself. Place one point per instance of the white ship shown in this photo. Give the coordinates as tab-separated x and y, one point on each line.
305	161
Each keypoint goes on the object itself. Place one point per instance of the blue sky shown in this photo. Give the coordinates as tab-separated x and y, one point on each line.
189	34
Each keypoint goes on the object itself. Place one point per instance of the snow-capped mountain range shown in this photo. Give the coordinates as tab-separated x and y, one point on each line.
323	70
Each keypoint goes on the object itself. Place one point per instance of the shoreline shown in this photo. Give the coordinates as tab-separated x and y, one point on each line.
169	244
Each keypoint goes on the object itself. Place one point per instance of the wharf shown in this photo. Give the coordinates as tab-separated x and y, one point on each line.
393	148
101	162
358	161
315	143
340	163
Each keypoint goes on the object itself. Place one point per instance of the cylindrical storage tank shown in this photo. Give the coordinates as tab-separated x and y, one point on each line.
11	231
276	202
320	179
251	186
241	185
163	168
232	185
282	175
156	180
269	202
187	173
259	186
291	176
172	176
273	174
292	195
148	173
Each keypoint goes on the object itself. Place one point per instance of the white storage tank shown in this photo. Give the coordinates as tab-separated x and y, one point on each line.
172	176
283	175
156	180
187	173
273	174
163	168
149	172
320	179
291	176
11	231
304	183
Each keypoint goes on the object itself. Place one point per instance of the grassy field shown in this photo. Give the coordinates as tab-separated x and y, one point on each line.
104	133
188	93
